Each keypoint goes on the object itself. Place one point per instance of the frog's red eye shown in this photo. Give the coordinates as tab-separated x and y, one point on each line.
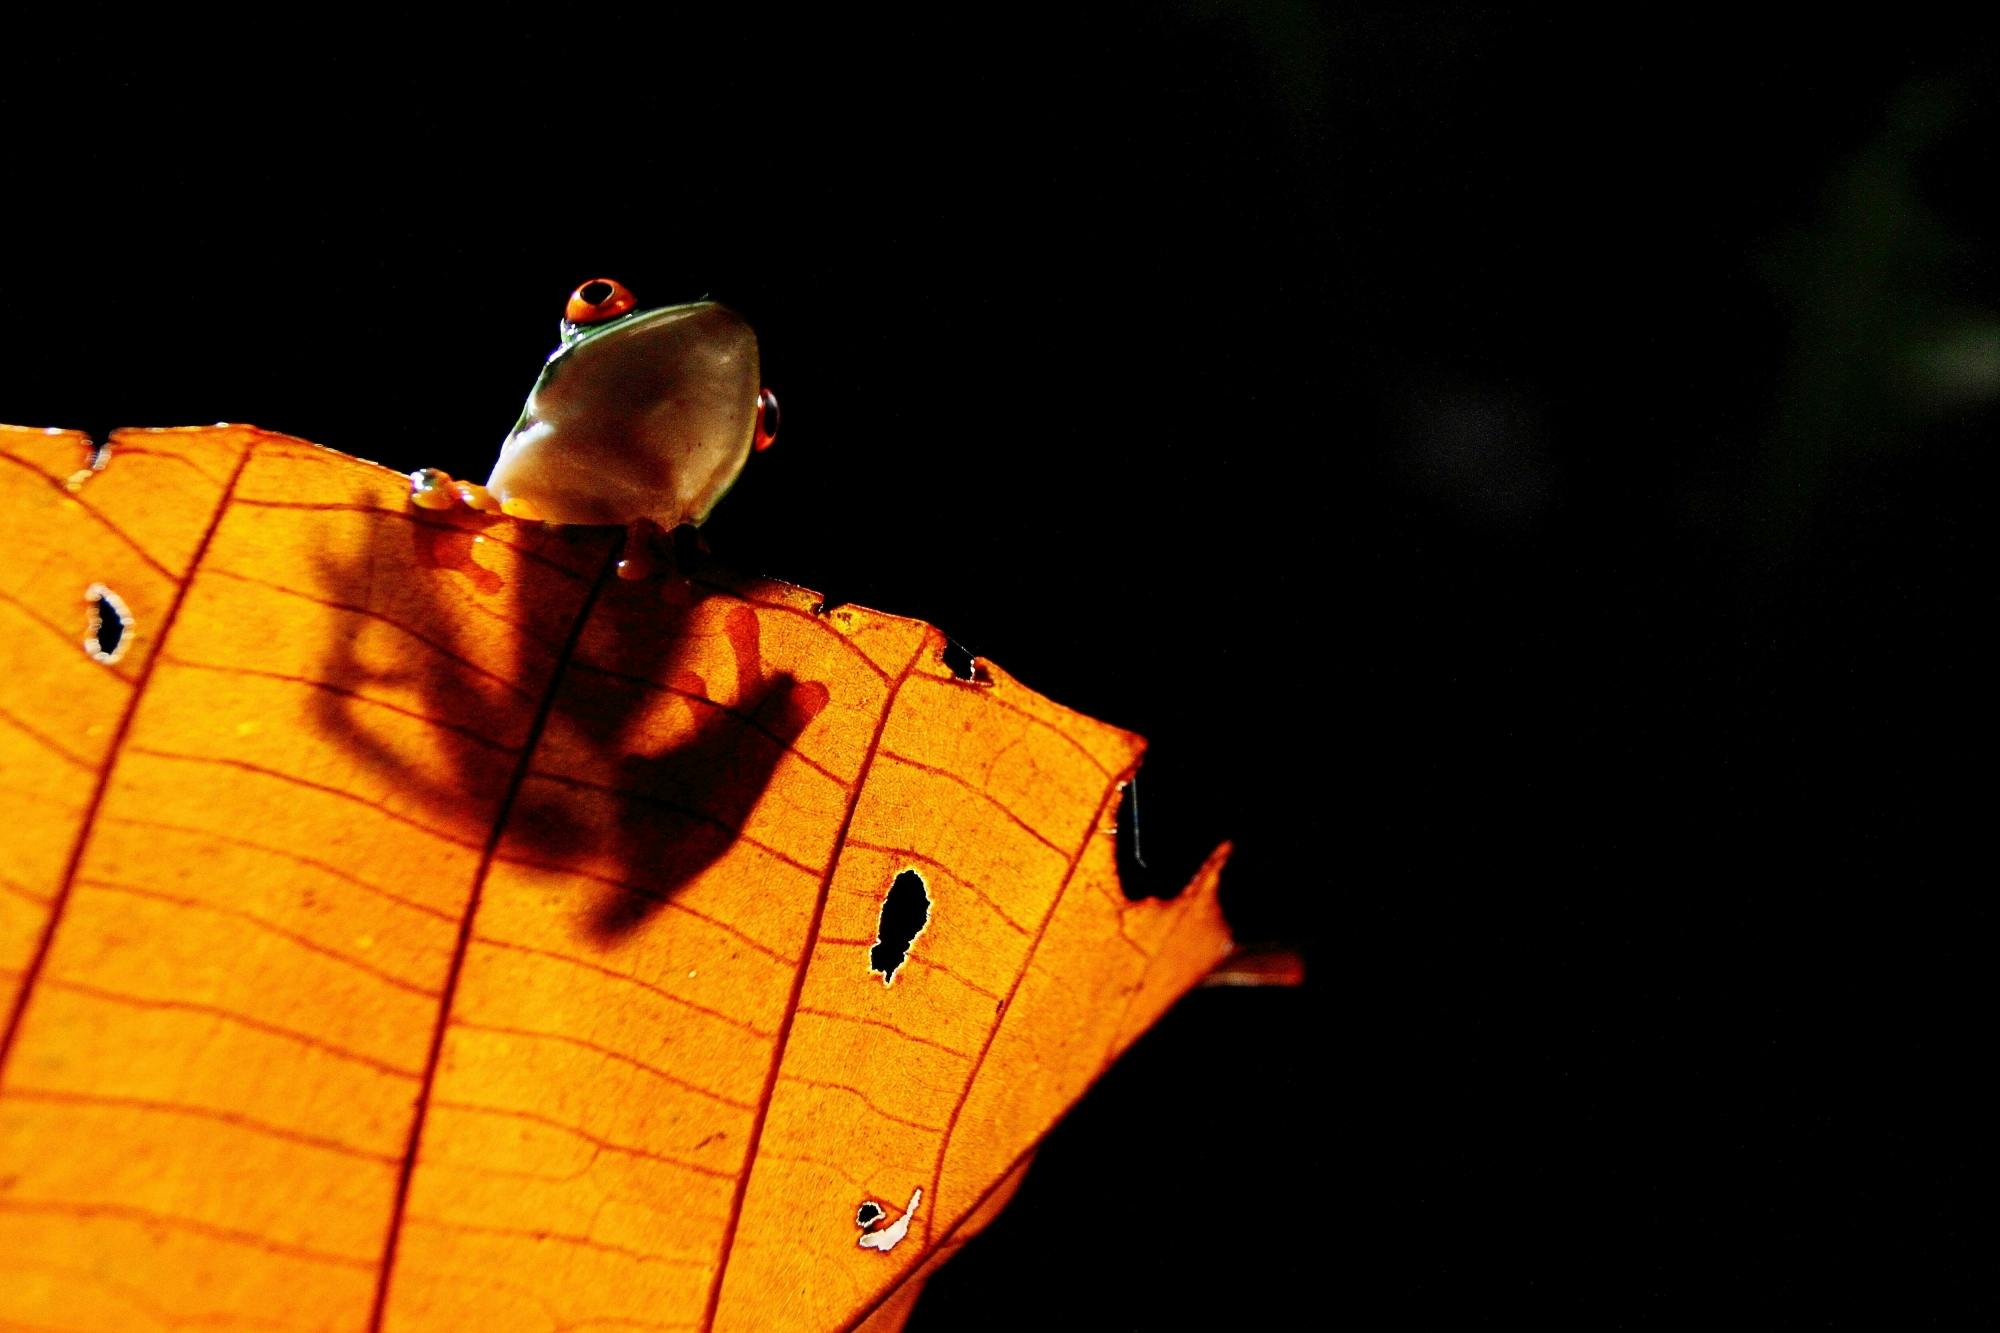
767	420
598	300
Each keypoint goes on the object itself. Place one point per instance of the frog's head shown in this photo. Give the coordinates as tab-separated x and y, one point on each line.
637	414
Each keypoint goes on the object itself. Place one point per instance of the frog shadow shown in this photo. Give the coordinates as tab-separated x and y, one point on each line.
674	809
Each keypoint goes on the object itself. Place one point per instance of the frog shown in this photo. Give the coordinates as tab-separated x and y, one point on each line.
640	417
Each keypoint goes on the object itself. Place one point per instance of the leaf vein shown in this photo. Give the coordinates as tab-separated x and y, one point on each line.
370	613
642	984
980	792
386	1266
233	1017
98	516
70	640
561	1238
264	924
86	826
46	741
608	1145
291	678
420	519
175	1221
1006	1006
798	984
321	787
63	1097
608	1052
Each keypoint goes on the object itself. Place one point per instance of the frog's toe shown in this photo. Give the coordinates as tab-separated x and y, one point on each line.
476	497
638	560
433	488
690	548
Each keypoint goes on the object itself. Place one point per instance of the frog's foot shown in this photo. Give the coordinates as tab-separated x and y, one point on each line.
690	548
640	557
432	488
649	549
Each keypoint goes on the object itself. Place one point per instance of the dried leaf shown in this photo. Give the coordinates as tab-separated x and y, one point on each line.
405	922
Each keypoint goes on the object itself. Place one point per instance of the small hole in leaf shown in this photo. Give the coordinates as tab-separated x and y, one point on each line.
108	627
868	1214
964	665
905	913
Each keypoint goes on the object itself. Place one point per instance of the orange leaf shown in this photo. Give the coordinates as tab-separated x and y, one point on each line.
404	921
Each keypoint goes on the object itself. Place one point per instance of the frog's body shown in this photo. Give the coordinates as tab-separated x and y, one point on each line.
650	415
639	417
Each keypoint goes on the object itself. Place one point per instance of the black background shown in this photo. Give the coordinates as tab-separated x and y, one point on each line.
1528	480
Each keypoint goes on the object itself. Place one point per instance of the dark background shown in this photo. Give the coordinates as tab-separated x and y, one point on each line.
1528	480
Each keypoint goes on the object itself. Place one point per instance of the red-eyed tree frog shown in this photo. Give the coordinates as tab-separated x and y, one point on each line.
639	417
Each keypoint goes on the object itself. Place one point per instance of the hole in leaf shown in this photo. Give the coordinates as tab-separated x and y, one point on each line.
108	630
868	1214
964	665
905	913
1131	851
1163	833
